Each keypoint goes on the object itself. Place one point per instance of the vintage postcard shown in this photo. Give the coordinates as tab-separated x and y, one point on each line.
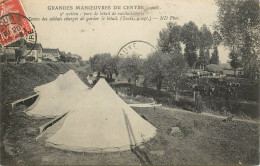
129	82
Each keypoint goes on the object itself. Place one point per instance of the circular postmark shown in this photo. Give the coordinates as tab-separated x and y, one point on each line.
139	47
17	32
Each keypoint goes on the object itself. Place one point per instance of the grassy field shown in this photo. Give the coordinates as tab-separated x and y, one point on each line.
200	140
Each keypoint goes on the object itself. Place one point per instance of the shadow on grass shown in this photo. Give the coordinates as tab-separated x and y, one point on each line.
140	154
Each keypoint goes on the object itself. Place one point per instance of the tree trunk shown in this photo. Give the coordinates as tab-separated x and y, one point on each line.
133	88
145	83
159	84
235	70
176	95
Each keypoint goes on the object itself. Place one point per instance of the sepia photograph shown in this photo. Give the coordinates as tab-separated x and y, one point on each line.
129	82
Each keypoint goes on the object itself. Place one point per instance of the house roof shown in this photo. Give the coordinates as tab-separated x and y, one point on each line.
9	52
50	50
17	43
75	55
37	46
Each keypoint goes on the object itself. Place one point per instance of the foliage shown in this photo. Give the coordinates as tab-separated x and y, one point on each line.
170	39
153	68
214	59
69	58
205	43
238	23
190	37
131	67
47	59
216	39
174	69
235	61
104	63
214	68
169	67
30	58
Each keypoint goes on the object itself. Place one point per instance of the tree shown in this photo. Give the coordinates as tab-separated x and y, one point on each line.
153	69
19	52
111	66
214	57
62	56
214	68
170	39
169	67
175	68
115	61
190	37
216	41
131	68
205	43
238	23
235	61
104	63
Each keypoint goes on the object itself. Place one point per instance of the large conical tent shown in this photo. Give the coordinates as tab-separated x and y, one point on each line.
102	121
57	96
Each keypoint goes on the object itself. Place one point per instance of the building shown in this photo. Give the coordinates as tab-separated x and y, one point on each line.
75	56
36	52
230	72
25	51
51	53
8	55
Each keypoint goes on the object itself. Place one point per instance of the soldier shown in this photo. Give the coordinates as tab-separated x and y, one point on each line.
227	95
198	102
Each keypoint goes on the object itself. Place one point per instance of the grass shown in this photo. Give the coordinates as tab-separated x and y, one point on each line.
212	104
202	140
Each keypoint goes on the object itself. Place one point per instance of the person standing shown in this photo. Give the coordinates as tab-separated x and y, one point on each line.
198	102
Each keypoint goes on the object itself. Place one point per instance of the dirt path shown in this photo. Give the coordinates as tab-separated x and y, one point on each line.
212	115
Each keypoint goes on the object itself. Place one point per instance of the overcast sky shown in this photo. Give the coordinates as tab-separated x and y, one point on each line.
89	38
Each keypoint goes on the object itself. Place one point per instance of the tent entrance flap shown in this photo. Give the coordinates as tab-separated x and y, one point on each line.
49	124
28	101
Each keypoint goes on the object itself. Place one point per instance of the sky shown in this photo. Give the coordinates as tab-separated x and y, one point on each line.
92	37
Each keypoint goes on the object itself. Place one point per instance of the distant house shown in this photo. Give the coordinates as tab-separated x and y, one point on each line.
75	56
36	52
51	53
9	55
229	71
9	51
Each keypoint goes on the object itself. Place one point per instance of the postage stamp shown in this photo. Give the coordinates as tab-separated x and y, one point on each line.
15	28
11	6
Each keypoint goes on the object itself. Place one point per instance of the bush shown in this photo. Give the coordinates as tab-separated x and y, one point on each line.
158	96
30	59
214	68
186	104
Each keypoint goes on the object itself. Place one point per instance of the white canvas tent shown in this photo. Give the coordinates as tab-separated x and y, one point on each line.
56	97
101	121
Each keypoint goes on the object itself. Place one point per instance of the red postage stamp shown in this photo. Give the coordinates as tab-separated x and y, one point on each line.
14	25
